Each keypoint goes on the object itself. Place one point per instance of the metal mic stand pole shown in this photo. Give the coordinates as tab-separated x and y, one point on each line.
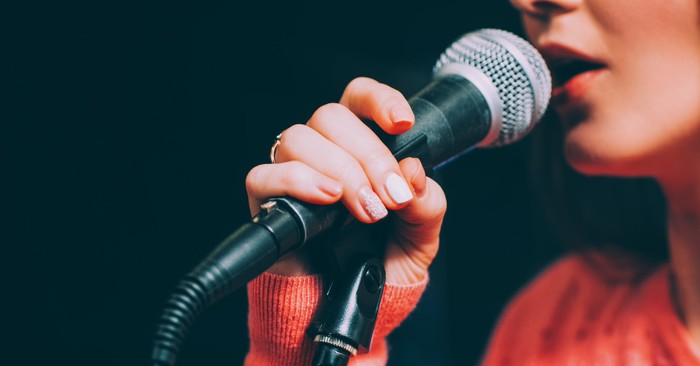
344	323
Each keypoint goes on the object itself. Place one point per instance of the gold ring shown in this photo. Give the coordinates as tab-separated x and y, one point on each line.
273	149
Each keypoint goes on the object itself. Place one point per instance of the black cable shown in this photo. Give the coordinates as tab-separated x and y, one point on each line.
182	308
214	278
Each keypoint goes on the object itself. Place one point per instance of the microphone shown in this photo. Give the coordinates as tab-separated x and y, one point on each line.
490	88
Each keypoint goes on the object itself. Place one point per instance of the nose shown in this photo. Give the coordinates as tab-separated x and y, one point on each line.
545	8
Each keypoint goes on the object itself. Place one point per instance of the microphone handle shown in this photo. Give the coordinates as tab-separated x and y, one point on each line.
452	116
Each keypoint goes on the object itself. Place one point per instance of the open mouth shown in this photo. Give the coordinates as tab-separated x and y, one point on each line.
565	69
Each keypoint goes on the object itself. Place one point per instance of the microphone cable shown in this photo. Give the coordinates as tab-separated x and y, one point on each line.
491	88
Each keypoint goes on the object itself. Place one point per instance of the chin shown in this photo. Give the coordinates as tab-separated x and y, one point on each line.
602	157
584	161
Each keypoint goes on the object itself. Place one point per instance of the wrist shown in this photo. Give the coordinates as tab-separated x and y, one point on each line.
402	270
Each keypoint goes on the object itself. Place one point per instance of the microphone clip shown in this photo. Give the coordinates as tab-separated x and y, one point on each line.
344	323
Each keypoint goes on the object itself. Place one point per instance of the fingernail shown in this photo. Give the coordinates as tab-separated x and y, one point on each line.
397	188
372	205
330	187
401	114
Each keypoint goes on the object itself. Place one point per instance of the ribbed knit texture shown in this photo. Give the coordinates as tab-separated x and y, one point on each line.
281	309
593	312
585	309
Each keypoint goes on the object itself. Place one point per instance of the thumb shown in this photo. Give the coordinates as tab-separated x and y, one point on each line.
417	226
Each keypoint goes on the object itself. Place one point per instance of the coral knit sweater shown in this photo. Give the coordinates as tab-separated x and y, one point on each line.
582	310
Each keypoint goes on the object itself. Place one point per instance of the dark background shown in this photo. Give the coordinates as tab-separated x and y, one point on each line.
130	128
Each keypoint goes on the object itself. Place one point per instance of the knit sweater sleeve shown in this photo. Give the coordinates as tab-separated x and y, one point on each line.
281	309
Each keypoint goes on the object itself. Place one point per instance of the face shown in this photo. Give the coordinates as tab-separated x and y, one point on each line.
627	80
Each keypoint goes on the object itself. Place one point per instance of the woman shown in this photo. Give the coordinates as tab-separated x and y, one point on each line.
627	90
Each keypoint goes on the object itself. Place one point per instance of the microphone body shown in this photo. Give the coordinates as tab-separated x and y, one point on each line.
490	89
452	116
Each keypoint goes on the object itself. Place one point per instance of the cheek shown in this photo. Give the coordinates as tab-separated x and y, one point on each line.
644	17
661	94
648	112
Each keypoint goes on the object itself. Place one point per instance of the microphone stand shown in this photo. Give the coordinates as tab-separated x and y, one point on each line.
344	322
347	313
283	225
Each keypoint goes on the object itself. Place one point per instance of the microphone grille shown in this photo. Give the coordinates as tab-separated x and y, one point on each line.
515	68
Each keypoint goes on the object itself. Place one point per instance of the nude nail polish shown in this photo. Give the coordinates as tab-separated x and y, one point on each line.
397	188
401	115
372	205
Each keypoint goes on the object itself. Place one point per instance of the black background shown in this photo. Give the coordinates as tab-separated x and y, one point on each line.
129	132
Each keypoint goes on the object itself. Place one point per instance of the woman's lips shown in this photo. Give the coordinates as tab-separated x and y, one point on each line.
575	88
576	68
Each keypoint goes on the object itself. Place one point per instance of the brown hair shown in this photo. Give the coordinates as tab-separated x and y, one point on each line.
585	212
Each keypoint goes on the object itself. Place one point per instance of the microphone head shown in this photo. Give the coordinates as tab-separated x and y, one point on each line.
510	73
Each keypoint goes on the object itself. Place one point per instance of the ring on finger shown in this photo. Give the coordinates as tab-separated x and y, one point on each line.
273	149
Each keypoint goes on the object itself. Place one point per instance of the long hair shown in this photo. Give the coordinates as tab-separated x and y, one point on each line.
626	215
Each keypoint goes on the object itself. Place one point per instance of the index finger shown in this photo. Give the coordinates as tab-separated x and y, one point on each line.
368	98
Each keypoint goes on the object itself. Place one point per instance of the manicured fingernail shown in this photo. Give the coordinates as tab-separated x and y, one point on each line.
330	187
401	114
397	188
372	205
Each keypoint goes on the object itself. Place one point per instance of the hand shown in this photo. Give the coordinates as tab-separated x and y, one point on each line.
336	157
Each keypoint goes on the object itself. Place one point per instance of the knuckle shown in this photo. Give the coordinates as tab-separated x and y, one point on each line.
329	111
291	138
327	115
364	88
441	207
349	170
296	168
359	83
292	133
252	179
294	174
378	159
439	204
391	97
